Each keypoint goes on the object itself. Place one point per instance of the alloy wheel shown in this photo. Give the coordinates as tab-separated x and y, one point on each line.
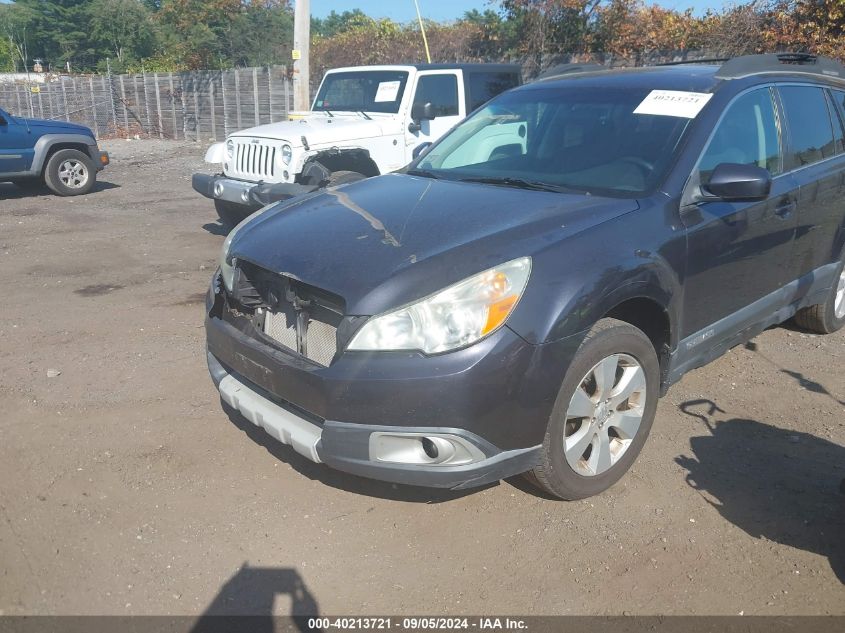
604	414
73	174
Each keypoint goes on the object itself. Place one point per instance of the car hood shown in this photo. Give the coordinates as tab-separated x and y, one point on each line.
386	241
55	127
319	129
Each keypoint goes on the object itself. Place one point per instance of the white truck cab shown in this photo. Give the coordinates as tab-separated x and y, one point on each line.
364	121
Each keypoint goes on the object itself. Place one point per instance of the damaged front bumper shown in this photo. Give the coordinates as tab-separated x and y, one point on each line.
249	194
453	421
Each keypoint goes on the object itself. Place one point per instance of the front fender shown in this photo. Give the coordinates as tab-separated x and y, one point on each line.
216	154
45	142
585	276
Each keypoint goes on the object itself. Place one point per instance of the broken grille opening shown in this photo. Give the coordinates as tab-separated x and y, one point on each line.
295	315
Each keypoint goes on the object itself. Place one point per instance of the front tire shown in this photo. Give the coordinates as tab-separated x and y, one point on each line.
603	412
344	177
230	213
70	172
827	317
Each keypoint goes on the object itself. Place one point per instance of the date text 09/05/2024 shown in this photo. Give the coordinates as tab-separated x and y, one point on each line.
417	623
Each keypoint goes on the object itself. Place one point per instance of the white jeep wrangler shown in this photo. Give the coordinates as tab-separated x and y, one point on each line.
365	121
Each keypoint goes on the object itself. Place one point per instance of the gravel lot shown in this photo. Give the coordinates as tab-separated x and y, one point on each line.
125	488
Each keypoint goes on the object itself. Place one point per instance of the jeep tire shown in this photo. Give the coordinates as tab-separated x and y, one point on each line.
231	214
344	177
70	172
603	412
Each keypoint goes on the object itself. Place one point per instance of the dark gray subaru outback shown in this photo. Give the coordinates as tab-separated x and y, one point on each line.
519	297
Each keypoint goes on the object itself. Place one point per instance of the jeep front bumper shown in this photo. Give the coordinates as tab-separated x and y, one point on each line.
251	195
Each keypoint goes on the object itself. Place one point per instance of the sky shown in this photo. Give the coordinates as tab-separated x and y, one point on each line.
403	10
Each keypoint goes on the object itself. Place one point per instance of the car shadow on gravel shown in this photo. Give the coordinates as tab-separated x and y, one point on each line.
245	603
776	484
8	191
338	479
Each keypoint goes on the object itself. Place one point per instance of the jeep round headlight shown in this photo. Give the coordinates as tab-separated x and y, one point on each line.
455	317
286	153
230	150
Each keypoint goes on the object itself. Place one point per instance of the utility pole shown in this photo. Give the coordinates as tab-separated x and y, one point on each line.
300	54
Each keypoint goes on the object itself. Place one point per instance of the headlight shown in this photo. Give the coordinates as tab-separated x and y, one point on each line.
227	266
286	154
455	317
230	150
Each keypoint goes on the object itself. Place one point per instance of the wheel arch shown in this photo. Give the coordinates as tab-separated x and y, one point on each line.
49	144
653	317
348	159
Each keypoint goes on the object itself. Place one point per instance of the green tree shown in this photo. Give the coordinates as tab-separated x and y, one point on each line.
122	30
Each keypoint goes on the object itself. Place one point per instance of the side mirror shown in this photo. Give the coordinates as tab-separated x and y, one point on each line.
733	182
420	149
422	112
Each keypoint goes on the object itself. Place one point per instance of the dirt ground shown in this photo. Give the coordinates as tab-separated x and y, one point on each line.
126	489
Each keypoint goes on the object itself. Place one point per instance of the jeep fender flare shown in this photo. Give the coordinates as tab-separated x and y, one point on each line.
44	144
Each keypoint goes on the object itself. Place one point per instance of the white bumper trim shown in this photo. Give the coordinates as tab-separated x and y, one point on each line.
302	435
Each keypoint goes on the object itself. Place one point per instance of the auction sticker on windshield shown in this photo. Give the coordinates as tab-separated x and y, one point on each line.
387	91
677	103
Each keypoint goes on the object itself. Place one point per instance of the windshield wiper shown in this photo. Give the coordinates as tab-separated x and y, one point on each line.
365	115
422	172
518	183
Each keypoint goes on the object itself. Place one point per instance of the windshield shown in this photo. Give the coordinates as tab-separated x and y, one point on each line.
362	90
572	138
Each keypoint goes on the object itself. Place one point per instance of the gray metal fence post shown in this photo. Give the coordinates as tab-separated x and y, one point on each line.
211	103
93	106
64	101
225	108
255	95
173	105
123	101
238	97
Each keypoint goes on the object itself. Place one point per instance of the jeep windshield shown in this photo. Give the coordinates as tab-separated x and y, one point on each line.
362	91
561	138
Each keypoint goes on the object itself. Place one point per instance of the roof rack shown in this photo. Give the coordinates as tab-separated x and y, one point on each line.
568	69
708	60
791	63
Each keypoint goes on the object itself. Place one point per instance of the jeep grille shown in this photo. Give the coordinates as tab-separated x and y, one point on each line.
255	159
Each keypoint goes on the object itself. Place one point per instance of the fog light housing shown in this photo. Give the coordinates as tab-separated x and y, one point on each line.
423	449
245	196
218	189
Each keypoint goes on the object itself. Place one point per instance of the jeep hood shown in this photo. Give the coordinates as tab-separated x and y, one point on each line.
321	129
383	242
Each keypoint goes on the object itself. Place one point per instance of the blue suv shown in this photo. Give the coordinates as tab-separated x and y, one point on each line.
519	297
63	156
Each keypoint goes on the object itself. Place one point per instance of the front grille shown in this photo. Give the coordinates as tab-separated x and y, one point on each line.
299	317
254	159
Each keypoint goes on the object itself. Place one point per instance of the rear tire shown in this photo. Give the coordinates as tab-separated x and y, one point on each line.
594	436
230	213
827	317
70	172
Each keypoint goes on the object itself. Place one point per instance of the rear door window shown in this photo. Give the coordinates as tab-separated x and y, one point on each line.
837	113
483	86
808	121
746	135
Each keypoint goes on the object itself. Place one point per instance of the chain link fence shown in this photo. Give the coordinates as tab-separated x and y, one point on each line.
200	105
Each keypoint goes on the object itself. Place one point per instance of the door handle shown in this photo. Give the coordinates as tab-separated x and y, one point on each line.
785	207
